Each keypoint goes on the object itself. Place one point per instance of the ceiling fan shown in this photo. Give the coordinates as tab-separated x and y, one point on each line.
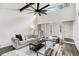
36	10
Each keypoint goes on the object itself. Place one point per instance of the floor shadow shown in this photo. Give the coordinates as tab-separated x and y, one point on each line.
6	49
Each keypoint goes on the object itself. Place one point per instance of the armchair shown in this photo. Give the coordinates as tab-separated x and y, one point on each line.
17	43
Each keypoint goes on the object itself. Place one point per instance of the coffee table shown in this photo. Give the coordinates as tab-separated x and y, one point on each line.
36	45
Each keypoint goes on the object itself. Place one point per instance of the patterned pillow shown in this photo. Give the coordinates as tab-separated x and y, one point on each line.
48	52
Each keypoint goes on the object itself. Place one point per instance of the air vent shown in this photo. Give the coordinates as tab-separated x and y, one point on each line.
64	5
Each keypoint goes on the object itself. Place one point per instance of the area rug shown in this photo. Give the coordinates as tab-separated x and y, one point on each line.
25	51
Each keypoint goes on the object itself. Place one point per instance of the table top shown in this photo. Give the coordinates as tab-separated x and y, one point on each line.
36	42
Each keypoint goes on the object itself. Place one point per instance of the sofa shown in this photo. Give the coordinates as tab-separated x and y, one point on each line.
16	43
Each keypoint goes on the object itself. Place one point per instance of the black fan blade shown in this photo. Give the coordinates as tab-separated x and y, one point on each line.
43	10
35	13
32	7
39	14
37	6
44	7
26	6
23	8
44	13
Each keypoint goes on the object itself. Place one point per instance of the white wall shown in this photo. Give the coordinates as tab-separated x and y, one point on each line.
65	14
76	26
13	22
68	29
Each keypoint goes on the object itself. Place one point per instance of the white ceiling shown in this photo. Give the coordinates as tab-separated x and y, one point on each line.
16	6
12	5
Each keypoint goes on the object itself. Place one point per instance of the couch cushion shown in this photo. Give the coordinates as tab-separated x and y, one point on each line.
22	42
27	40
31	39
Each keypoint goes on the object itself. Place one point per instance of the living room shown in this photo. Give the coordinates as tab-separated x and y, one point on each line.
31	24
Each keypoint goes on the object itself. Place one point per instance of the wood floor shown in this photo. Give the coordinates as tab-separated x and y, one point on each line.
6	49
68	50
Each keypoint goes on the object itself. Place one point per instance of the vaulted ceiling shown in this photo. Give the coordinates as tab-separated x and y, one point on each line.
52	13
